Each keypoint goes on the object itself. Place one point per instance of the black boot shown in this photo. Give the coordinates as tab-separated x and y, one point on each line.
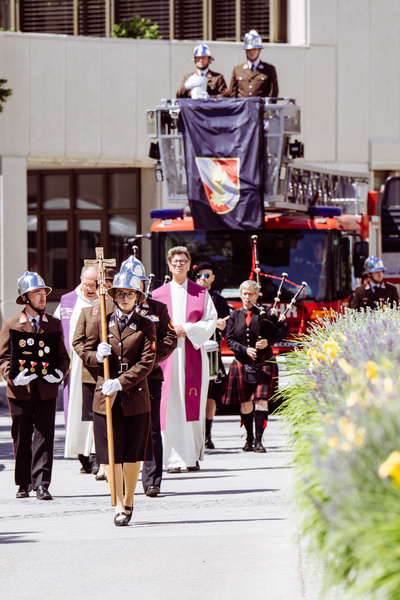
209	443
260	419
248	423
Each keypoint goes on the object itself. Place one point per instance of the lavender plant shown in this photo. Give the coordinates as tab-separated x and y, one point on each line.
343	420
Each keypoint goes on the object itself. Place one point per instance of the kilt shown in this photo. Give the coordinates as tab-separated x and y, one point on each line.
238	391
132	436
216	388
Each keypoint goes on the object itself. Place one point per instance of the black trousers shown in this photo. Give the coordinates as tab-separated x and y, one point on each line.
32	431
152	469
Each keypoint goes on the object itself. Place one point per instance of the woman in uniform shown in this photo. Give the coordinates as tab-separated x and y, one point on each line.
253	374
131	349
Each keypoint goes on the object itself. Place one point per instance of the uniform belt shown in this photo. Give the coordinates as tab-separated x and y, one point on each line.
123	367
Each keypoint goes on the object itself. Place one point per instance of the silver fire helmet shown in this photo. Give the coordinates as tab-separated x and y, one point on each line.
252	39
30	281
127	280
134	265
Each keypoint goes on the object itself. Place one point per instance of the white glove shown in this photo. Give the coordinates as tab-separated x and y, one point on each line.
53	378
103	349
199	94
110	386
194	81
22	379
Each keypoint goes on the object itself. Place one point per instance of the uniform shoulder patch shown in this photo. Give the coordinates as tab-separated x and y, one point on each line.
22	318
170	326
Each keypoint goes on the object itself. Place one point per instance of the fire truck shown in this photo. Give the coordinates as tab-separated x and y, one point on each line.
320	224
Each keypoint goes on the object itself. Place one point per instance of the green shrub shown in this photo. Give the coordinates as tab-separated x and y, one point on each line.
136	27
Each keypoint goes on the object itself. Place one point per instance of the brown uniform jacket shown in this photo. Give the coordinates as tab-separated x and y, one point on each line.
216	86
23	392
135	348
167	340
363	296
246	83
85	321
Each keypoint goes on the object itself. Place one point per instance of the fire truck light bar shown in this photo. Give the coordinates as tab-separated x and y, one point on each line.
324	211
168	213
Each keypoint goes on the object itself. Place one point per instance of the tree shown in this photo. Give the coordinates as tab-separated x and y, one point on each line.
4	93
136	27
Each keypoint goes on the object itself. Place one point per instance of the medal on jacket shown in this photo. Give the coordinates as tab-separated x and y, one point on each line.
21	362
33	365
44	370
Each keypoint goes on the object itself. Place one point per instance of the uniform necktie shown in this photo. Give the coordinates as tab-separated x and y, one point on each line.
122	323
34	325
253	67
248	318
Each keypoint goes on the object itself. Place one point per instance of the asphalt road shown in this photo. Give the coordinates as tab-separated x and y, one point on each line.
225	532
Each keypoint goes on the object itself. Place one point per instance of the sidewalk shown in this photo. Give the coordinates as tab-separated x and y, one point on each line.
224	532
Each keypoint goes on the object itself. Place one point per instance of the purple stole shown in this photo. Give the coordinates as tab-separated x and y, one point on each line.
195	305
67	305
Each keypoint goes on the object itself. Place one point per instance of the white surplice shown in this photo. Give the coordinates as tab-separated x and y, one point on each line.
79	434
183	441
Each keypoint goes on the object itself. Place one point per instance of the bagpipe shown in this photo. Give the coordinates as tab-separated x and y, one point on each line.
272	313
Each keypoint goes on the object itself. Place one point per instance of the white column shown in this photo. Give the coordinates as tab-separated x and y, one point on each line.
13	231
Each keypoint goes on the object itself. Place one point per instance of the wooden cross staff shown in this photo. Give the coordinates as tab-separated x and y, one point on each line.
101	263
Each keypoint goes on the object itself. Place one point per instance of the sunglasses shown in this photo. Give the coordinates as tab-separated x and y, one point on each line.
179	262
205	275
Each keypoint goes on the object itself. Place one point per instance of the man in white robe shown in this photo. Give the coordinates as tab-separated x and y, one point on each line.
186	371
79	434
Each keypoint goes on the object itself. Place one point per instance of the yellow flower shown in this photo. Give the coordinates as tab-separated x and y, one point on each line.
359	437
353	398
333	442
347	428
312	384
391	467
331	348
371	369
342	337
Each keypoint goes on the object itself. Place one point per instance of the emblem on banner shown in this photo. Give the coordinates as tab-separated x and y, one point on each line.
220	177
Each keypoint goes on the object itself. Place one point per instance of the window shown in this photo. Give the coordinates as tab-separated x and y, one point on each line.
70	213
225	20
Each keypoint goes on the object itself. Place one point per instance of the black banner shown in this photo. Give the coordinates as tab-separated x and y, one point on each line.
224	155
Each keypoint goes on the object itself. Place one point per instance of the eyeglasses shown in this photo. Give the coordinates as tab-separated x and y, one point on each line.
179	262
90	286
129	295
205	275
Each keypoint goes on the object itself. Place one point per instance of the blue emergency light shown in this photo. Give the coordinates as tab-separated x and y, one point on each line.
168	213
324	211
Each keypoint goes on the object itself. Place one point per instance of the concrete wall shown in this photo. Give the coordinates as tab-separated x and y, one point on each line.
80	102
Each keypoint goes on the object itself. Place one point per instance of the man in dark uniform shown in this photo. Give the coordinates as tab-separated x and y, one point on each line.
375	291
254	77
203	81
32	398
167	341
203	274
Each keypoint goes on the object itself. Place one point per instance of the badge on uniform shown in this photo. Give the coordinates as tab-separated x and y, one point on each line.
170	326
133	326
112	322
153	318
22	318
44	318
95	310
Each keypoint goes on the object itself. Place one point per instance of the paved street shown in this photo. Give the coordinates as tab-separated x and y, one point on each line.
224	532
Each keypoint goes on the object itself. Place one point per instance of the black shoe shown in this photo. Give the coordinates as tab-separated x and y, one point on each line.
258	447
86	464
95	468
129	512
152	491
23	491
101	477
42	493
248	447
209	444
173	470
195	468
121	522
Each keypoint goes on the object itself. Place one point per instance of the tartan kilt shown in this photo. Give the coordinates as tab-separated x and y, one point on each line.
238	391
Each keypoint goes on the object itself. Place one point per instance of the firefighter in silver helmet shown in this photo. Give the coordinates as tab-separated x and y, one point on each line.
253	77
33	362
203	82
375	292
